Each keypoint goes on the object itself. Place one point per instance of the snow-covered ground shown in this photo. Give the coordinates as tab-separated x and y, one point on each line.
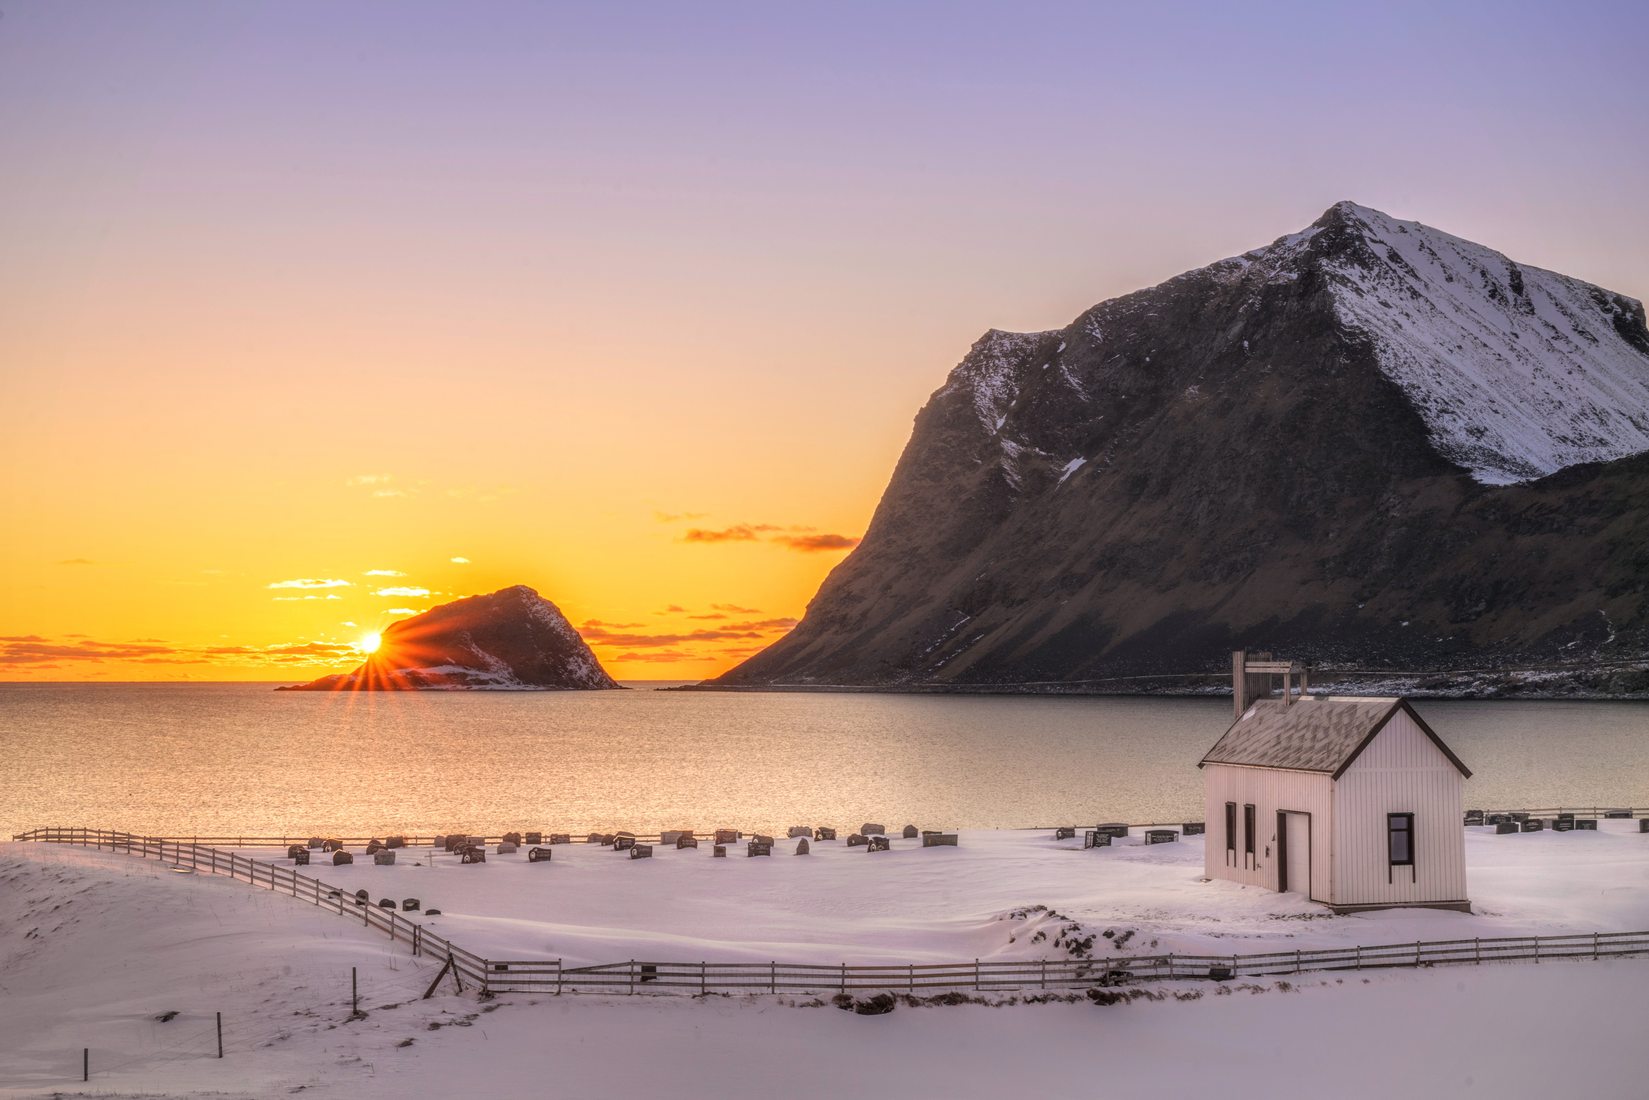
97	946
923	905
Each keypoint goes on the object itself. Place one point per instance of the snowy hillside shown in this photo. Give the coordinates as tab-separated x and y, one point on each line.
1517	371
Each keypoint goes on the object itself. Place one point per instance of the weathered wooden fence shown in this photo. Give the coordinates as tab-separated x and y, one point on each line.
644	976
400	928
579	835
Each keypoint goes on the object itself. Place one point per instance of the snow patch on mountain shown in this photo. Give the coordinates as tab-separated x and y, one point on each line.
1517	371
989	374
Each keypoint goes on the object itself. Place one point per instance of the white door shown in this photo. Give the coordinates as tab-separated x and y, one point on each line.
1297	851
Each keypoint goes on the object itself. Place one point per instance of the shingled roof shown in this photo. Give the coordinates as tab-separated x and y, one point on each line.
1312	735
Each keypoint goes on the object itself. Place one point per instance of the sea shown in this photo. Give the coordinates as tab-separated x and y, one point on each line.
234	760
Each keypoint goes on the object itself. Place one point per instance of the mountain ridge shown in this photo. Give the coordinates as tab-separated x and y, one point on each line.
1291	447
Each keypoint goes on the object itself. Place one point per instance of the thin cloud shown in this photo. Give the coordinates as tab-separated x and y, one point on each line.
657	656
673	609
742	532
814	543
765	624
34	652
309	582
383	573
459	561
677	517
300	599
38	650
735	609
381	485
402	611
652	641
404	590
597	624
711	615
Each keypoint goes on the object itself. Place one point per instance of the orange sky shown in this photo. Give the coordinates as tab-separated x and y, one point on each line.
305	291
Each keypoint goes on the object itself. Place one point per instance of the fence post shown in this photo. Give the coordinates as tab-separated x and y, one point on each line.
1477	950
1359	955
220	1035
1594	946
703	978
632	977
560	973
1537	949
1044	973
773	976
912	977
844	977
976	987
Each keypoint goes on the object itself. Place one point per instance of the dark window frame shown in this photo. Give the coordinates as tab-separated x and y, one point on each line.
1406	831
1230	830
1249	828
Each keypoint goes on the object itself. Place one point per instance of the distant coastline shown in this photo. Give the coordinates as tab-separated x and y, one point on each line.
1610	684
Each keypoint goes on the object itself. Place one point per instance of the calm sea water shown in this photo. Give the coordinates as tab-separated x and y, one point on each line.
240	759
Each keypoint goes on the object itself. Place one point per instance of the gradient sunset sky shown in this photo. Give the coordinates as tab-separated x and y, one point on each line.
315	314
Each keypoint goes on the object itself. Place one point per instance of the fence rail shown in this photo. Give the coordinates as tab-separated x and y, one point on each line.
579	835
640	975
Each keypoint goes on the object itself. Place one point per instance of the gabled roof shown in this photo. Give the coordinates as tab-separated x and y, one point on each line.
1313	735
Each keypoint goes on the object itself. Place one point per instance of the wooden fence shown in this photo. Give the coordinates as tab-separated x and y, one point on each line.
637	975
579	835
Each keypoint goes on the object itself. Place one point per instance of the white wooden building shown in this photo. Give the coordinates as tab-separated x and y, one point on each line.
1353	802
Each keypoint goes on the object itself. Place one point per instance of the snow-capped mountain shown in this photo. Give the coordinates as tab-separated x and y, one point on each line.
1369	441
1517	371
511	640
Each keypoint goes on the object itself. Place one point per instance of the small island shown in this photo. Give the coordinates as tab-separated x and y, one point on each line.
510	640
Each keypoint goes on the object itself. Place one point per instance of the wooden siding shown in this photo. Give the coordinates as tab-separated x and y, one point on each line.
1268	790
1401	771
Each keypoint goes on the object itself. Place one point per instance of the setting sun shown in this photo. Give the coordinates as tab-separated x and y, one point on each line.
369	643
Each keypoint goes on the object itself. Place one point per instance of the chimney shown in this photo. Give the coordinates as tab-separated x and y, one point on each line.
1253	680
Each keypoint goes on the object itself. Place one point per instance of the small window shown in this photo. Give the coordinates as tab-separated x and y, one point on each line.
1248	828
1400	839
1231	826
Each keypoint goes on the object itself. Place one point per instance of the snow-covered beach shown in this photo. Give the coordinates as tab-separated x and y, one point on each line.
107	943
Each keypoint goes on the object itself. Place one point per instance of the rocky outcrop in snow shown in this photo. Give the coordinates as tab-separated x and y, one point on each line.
511	640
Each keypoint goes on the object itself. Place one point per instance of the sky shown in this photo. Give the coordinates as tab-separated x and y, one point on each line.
315	315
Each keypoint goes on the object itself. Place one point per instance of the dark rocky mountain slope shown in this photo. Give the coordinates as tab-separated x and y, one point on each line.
1369	445
511	640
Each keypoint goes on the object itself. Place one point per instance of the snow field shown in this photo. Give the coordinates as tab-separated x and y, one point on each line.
591	905
119	941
